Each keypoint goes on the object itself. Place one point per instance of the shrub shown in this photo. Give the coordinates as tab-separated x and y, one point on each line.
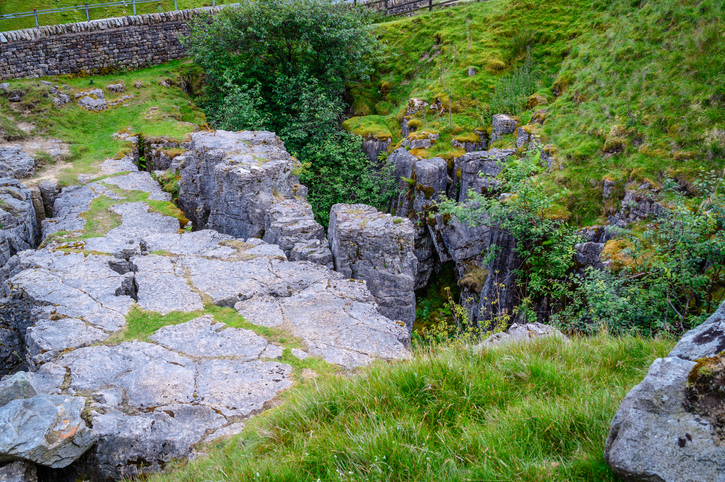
283	66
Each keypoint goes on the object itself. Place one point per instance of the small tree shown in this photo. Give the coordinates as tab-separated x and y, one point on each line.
283	66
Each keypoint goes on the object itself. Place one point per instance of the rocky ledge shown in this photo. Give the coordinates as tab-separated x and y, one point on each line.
172	336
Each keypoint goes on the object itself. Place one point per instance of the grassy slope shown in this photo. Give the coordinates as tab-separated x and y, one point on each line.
154	111
533	412
16	6
647	76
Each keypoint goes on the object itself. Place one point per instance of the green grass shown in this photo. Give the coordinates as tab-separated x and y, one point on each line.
531	412
16	6
154	111
635	89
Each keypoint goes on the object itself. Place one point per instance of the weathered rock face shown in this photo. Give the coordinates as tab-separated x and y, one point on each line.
230	180
373	146
18	471
589	254
502	125
155	398
378	248
160	153
670	427
291	225
18	223
478	171
16	163
638	204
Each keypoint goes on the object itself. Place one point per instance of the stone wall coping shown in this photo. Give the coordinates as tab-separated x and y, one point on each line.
37	33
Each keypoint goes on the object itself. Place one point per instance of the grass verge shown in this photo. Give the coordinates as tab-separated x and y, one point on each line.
531	412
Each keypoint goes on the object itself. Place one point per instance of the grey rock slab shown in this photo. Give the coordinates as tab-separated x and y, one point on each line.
203	337
263	311
18	471
18	221
150	375
229	282
139	181
272	351
132	445
502	125
20	163
706	340
162	286
47	339
138	221
226	432
230	180
290	222
14	387
69	205
338	320
205	243
238	388
115	166
45	429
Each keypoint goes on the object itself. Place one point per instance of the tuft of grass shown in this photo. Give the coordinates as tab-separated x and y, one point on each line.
537	411
140	323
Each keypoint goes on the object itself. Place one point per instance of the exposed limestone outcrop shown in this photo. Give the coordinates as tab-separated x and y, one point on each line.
93	99
502	125
18	223
230	180
16	163
477	171
154	396
670	427
379	249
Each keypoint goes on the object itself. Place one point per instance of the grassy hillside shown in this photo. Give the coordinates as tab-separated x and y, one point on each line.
635	90
16	6
154	110
531	412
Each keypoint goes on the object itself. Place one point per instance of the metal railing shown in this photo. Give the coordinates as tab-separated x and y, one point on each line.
387	7
87	7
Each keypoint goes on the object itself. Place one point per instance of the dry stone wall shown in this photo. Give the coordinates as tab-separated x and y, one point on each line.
126	42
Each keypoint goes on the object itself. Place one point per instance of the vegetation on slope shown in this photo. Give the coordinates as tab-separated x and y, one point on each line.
634	89
527	412
154	110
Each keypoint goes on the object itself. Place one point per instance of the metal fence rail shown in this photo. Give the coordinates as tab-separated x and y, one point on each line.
86	6
387	7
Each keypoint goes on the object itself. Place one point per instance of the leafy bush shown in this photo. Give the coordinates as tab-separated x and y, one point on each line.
283	66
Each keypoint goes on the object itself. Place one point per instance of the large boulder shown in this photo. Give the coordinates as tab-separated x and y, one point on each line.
16	163
18	471
671	426
379	249
502	125
230	180
18	222
41	428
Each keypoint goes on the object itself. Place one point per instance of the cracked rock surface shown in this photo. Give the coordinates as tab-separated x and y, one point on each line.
127	320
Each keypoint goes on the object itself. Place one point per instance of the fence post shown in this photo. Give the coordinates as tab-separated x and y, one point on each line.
430	5
133	2
88	15
35	14
213	3
386	8
175	7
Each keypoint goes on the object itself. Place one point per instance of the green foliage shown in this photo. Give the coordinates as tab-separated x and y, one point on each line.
513	90
527	412
544	243
673	276
283	67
